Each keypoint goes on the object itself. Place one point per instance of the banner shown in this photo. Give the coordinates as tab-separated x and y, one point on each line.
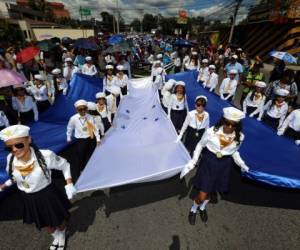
183	17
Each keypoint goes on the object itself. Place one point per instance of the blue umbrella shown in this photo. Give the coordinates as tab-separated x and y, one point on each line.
284	56
84	43
115	39
183	43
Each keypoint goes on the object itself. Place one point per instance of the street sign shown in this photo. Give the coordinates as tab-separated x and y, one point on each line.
85	12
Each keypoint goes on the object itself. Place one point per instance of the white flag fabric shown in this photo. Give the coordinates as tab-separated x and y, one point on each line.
140	147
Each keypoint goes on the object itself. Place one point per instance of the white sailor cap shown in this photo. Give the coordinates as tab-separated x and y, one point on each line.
68	59
159	56
282	92
92	106
56	71
88	58
120	67
212	66
19	86
80	103
233	72
180	83
205	61
13	132
39	77
115	90
194	53
235	57
169	84
239	49
65	49
109	66
100	95
233	114
201	97
260	84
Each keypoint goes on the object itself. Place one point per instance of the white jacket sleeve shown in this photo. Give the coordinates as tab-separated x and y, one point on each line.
286	123
70	128
185	125
58	163
245	102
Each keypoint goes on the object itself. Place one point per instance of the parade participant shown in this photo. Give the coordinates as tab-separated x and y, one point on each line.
60	82
155	66
186	60
30	168
219	149
69	69
109	59
103	110
166	94
195	124
178	106
193	62
89	68
86	134
113	100
4	123
203	72
80	59
92	111
177	63
276	109
126	65
24	105
40	93
121	80
212	80
228	86
159	79
108	79
291	126
234	65
254	103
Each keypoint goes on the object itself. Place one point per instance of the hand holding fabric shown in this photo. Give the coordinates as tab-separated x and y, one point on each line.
187	168
70	190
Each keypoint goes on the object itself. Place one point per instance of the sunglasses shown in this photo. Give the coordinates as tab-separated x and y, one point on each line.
81	109
228	123
199	105
17	146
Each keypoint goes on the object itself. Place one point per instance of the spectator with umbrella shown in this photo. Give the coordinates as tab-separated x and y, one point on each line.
27	57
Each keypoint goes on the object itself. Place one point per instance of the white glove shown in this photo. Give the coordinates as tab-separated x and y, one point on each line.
187	168
259	119
244	168
178	139
251	115
279	133
297	142
70	190
222	97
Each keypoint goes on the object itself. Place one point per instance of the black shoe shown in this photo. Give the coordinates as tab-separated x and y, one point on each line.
213	198
203	215
192	218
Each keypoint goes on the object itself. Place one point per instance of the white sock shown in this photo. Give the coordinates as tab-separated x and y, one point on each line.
55	236
203	205
194	207
62	237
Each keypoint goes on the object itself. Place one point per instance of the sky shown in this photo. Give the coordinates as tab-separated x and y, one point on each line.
131	9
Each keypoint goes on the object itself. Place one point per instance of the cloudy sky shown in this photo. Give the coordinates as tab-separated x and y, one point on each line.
130	9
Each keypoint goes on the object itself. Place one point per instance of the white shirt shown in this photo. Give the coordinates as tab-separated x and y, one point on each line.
108	83
192	121
276	112
105	113
203	74
127	67
121	81
175	104
211	141
69	72
211	81
177	62
98	123
62	85
79	124
111	103
89	70
257	103
109	59
228	86
292	121
39	93
191	66
186	60
166	97
3	119
25	106
37	180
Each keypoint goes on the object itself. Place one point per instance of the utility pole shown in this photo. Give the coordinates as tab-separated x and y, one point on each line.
118	16
238	4
142	17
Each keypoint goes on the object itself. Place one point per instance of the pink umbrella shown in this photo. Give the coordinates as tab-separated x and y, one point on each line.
9	77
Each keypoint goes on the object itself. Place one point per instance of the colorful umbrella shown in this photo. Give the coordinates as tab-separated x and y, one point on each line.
115	39
183	43
10	77
84	43
121	47
27	54
284	56
46	45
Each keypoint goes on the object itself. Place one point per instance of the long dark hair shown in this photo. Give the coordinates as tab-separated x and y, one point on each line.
40	158
237	130
253	94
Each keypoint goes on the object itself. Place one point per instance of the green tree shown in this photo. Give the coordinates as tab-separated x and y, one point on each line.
149	22
107	21
136	25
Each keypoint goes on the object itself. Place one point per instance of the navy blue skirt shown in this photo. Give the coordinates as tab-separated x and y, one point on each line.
250	110
213	173
192	137
178	118
292	134
270	121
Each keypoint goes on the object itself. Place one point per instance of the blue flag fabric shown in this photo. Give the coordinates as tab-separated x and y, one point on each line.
272	159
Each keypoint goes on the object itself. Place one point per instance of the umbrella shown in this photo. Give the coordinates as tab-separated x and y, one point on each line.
27	54
183	43
67	40
121	47
10	77
115	39
84	43
284	56
46	45
55	39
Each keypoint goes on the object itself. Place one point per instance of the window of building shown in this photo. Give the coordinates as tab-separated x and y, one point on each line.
25	34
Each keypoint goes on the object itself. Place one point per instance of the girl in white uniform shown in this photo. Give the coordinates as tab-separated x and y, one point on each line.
89	68
108	80
30	168
254	102
178	106
60	82
195	124
166	94
92	110
103	110
113	100
219	148
276	109
203	72
228	86
212	79
121	80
